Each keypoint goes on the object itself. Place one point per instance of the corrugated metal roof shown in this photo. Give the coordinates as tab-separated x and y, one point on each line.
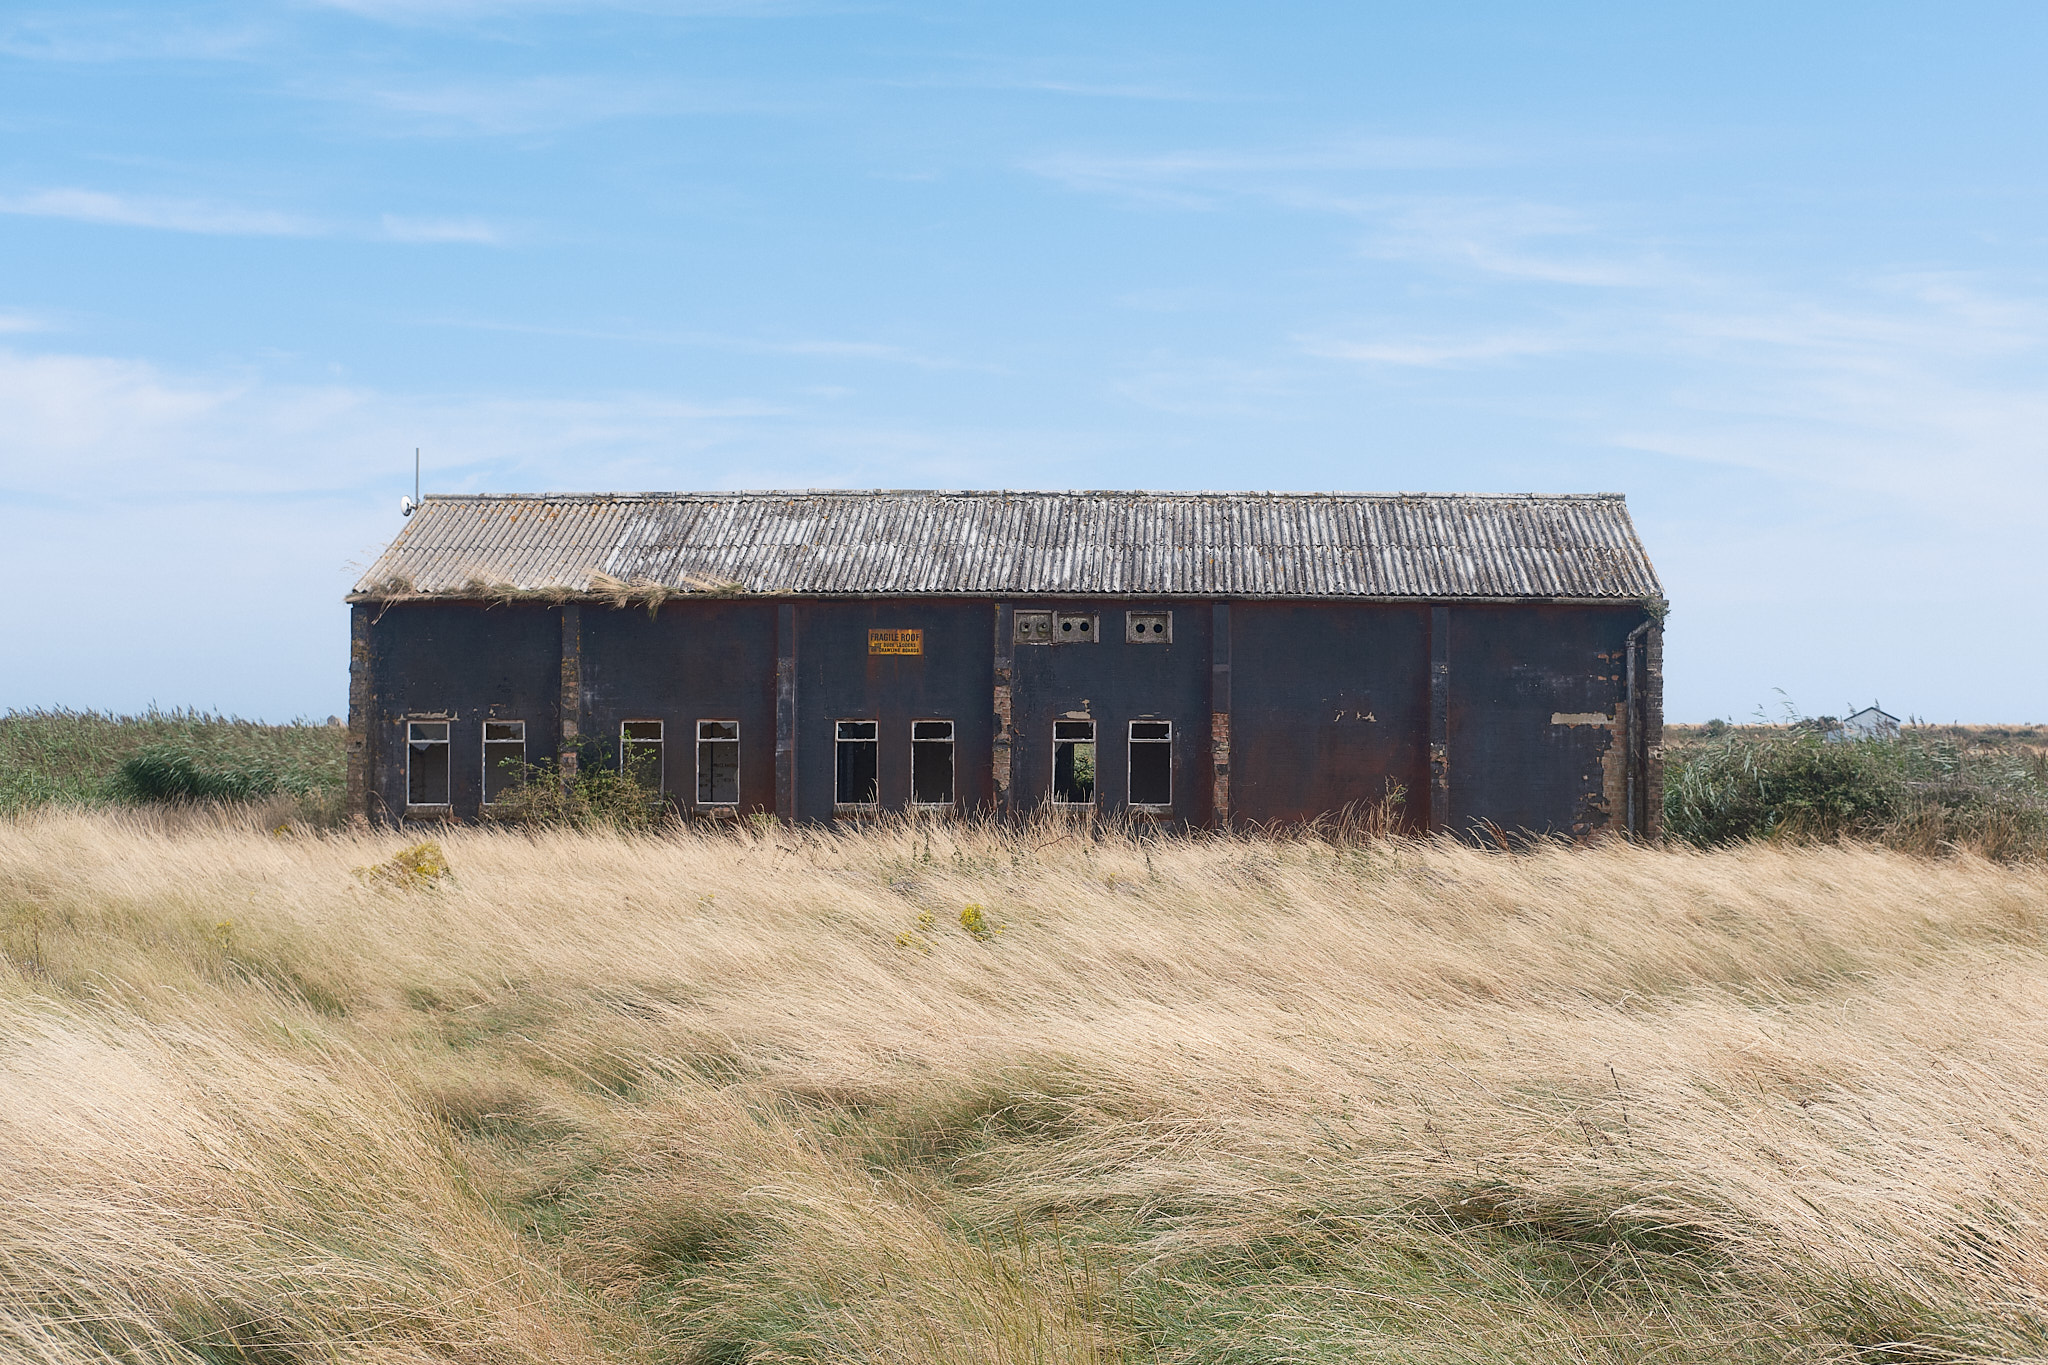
1287	545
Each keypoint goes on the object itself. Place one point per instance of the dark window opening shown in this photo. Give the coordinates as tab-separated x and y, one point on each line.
426	763
1073	762
931	762
504	758
640	752
718	763
1151	759
859	750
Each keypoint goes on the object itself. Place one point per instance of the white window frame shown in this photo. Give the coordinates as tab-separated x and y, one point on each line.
1131	743
447	742
1094	742
874	742
659	744
484	790
952	742
697	773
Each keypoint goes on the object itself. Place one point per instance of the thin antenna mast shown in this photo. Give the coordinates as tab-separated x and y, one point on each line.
408	506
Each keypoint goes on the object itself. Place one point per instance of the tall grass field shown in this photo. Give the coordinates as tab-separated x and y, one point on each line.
951	1093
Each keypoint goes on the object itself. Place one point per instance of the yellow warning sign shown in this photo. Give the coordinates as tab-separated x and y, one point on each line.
895	642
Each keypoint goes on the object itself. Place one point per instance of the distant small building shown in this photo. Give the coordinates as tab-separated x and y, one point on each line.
1869	723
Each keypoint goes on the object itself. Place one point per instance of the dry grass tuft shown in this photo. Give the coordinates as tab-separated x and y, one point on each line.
773	1095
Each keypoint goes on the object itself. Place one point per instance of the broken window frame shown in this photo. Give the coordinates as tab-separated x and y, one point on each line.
1075	741
1135	632
1155	740
415	744
494	760
922	746
1032	627
842	745
634	749
705	742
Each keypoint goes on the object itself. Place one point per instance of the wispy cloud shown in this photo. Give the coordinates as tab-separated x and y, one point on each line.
87	36
526	106
1513	239
147	211
1439	353
435	12
1361	179
824	347
14	322
212	218
464	230
1207	178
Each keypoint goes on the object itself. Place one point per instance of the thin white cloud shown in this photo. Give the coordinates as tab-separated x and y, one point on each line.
1496	236
833	348
210	218
98	433
440	12
1206	178
16	323
462	230
536	104
86	36
148	211
1438	353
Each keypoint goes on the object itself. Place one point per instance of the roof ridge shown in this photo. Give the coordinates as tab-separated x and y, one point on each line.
1478	546
708	494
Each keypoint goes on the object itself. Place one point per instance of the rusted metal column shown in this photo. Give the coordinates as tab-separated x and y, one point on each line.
1005	734
1439	719
570	712
1652	683
785	712
1219	715
360	705
1633	754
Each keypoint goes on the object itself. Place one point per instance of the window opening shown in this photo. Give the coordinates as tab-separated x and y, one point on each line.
1034	628
1148	627
504	758
1069	630
426	763
859	750
1073	762
931	762
1151	763
718	763
640	752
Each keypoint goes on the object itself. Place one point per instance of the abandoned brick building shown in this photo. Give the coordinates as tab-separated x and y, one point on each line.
1473	661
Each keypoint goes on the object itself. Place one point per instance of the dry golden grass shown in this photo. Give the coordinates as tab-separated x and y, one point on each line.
763	1096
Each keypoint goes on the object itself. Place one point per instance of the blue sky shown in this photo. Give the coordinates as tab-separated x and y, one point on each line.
1775	272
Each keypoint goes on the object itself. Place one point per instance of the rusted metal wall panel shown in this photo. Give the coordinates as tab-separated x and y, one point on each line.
362	710
1329	708
468	664
1538	718
837	678
1328	703
1200	545
689	661
1113	684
